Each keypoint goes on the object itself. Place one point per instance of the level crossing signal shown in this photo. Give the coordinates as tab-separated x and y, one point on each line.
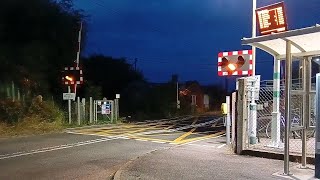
235	63
72	76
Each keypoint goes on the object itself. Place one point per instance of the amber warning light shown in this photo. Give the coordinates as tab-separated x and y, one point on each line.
271	19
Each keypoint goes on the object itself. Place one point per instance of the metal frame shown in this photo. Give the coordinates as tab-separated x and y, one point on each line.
286	50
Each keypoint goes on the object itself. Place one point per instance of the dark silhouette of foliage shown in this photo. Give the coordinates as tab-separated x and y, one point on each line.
37	39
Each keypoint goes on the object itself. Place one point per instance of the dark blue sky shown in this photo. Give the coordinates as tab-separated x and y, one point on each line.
181	36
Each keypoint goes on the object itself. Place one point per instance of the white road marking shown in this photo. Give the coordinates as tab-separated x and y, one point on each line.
221	146
203	145
54	148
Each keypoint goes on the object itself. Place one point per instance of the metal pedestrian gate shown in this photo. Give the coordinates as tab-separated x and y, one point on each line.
104	110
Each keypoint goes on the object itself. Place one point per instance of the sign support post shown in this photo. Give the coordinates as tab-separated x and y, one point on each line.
78	111
69	105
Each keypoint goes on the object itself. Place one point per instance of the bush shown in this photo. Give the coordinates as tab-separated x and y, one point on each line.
37	118
11	111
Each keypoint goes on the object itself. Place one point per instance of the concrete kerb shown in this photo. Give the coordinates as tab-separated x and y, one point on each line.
277	156
117	175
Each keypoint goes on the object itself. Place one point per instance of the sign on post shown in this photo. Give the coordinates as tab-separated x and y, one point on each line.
272	19
105	109
253	85
69	96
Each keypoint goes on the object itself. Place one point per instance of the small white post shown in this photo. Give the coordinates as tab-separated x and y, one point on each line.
78	111
233	118
90	111
228	120
69	106
83	102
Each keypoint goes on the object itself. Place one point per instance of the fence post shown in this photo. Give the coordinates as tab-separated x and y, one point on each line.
94	111
306	107
78	111
233	119
19	95
13	92
112	111
242	117
228	120
90	110
8	92
83	101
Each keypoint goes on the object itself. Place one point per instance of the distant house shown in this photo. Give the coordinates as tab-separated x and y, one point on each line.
192	92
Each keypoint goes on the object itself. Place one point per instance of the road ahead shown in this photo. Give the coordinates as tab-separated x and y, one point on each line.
97	153
188	148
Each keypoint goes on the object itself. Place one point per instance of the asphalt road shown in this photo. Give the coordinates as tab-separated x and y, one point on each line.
95	153
189	148
98	160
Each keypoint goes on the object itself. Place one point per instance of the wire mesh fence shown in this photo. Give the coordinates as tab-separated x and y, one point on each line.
264	119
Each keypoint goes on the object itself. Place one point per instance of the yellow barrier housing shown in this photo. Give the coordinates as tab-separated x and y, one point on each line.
224	108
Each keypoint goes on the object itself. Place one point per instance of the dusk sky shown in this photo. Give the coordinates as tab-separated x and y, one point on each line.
181	36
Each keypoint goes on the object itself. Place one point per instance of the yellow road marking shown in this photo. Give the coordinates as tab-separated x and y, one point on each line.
124	129
163	134
143	129
200	138
186	134
149	139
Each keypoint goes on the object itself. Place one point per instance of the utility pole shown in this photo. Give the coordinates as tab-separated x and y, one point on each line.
78	54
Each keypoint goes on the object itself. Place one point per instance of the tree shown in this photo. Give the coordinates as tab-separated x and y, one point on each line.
37	39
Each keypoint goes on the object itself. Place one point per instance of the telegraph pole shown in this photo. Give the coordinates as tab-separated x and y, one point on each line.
78	54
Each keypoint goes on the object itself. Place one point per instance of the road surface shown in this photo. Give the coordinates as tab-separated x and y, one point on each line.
188	148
